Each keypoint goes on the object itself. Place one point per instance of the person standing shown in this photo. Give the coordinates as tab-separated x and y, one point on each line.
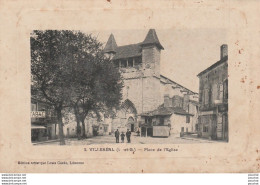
117	136
128	136
122	137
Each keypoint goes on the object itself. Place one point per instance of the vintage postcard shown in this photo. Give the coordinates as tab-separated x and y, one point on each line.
129	86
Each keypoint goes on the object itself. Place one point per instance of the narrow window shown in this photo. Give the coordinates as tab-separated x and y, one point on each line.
225	90
130	62
221	91
138	61
161	121
123	63
187	119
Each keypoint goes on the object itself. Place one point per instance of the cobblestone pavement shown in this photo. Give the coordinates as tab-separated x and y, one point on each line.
110	139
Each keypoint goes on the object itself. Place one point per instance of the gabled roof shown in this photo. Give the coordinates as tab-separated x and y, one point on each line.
224	59
166	111
151	38
127	51
111	45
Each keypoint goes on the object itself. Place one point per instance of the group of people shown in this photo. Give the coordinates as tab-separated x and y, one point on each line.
128	136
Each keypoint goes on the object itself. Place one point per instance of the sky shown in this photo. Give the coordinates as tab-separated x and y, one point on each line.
186	52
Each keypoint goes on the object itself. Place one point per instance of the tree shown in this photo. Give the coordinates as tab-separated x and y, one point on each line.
69	70
97	83
51	69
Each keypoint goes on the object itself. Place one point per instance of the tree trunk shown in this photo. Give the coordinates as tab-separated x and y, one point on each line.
78	122
61	135
55	130
83	128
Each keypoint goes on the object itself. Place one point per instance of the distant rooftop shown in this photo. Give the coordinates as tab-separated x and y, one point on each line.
166	111
127	51
111	45
131	50
224	59
151	38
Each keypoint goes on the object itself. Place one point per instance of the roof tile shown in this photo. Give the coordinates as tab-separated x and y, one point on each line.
127	51
111	45
166	111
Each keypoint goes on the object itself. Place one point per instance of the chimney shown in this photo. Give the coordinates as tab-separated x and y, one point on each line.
223	51
167	101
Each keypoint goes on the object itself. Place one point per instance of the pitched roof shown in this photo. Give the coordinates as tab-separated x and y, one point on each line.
166	111
224	59
132	50
111	45
179	85
151	38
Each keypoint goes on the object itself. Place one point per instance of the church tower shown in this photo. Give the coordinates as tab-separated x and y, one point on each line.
151	51
111	46
139	65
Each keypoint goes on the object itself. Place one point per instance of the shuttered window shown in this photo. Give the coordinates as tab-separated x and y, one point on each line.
225	90
214	92
221	91
200	97
206	93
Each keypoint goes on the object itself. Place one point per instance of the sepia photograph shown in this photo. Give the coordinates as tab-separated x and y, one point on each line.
129	86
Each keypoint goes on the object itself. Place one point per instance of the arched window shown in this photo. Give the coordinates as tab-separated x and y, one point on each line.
129	107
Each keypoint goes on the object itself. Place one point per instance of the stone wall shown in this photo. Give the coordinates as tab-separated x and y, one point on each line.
133	91
151	93
211	85
177	122
151	59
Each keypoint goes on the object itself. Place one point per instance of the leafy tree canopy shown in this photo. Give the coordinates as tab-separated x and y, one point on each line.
69	67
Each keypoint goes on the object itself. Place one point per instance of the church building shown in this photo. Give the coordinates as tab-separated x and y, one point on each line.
146	90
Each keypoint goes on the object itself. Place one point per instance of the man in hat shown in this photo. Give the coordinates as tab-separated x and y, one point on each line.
128	136
117	136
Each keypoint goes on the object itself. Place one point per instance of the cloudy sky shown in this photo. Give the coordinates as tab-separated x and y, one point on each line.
186	52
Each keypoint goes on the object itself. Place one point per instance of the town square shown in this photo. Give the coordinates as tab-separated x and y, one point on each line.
84	92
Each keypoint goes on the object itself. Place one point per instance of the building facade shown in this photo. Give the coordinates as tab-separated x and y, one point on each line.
175	116
213	99
93	126
43	121
144	86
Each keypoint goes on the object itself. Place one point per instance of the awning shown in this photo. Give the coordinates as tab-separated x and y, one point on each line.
37	127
